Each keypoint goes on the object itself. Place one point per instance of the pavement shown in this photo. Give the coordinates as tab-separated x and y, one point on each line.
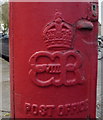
99	93
5	89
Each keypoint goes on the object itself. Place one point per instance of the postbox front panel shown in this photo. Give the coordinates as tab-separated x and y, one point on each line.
53	59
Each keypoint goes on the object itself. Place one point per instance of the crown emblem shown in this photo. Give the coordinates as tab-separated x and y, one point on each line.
58	34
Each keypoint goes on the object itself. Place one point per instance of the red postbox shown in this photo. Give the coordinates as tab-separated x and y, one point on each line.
53	53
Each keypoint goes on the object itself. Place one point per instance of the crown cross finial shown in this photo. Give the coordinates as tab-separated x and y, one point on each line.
58	21
58	15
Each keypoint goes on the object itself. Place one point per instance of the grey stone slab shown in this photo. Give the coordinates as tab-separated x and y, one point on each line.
4	88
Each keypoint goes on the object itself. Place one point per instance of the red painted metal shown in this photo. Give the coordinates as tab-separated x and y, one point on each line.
53	53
